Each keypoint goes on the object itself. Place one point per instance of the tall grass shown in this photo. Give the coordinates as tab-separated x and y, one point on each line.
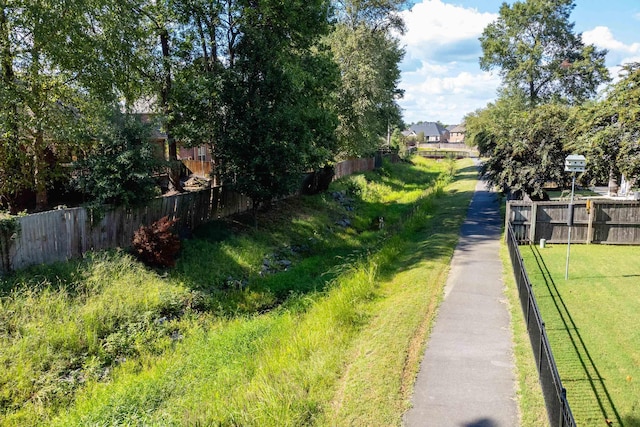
60	332
217	340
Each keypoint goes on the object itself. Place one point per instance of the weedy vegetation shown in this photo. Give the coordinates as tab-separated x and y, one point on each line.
318	316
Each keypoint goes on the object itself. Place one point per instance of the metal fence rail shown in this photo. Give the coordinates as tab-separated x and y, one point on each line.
555	395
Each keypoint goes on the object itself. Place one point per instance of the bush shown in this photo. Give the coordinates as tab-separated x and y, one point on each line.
156	245
119	170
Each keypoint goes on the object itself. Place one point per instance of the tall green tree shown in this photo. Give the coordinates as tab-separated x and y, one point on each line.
277	122
365	47
535	48
207	51
608	130
41	49
119	170
525	148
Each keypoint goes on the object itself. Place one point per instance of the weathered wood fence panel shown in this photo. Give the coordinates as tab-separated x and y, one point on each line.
63	234
445	146
352	166
605	221
68	233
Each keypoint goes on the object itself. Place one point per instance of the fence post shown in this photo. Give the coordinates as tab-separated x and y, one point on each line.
542	333
507	219
529	292
592	216
533	220
563	399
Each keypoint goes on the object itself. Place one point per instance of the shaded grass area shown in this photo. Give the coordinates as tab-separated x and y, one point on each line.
531	407
222	340
591	323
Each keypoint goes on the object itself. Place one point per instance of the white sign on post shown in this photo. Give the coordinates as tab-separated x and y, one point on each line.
572	163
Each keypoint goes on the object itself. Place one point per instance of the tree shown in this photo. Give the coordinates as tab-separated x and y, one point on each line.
118	171
57	58
207	52
159	23
525	148
365	48
533	45
40	46
608	131
399	142
277	122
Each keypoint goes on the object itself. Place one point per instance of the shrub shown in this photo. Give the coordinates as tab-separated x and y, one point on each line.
120	170
156	245
356	185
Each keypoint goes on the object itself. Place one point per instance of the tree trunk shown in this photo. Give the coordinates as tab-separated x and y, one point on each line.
10	161
174	166
39	171
613	182
532	93
36	105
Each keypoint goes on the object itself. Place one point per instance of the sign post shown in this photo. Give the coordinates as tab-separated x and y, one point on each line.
572	163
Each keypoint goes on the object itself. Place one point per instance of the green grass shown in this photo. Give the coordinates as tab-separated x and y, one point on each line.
566	194
106	341
532	410
591	320
376	385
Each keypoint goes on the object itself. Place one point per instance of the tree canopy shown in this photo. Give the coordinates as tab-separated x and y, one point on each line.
525	148
364	45
272	89
545	108
278	123
535	49
607	131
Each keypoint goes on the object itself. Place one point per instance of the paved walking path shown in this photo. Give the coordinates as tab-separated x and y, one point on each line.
466	377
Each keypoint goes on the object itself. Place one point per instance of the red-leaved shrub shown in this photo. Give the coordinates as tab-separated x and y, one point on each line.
156	244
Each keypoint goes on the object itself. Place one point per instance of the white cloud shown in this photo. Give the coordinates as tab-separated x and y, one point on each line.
618	54
603	38
440	72
447	98
434	28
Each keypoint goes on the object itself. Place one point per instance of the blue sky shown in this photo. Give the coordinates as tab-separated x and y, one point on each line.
440	72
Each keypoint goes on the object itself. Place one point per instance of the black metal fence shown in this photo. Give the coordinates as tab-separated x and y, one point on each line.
555	395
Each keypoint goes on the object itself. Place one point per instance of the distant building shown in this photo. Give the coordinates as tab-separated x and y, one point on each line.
432	131
456	133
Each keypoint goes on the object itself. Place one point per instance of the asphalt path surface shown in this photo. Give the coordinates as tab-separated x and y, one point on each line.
467	374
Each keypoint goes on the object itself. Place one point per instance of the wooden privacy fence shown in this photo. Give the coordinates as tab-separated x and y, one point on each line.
351	166
445	146
595	221
63	234
68	233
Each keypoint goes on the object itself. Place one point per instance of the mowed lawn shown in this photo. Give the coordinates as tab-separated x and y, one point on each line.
593	323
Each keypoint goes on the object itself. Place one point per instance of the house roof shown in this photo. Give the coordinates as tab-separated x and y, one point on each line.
458	129
429	129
